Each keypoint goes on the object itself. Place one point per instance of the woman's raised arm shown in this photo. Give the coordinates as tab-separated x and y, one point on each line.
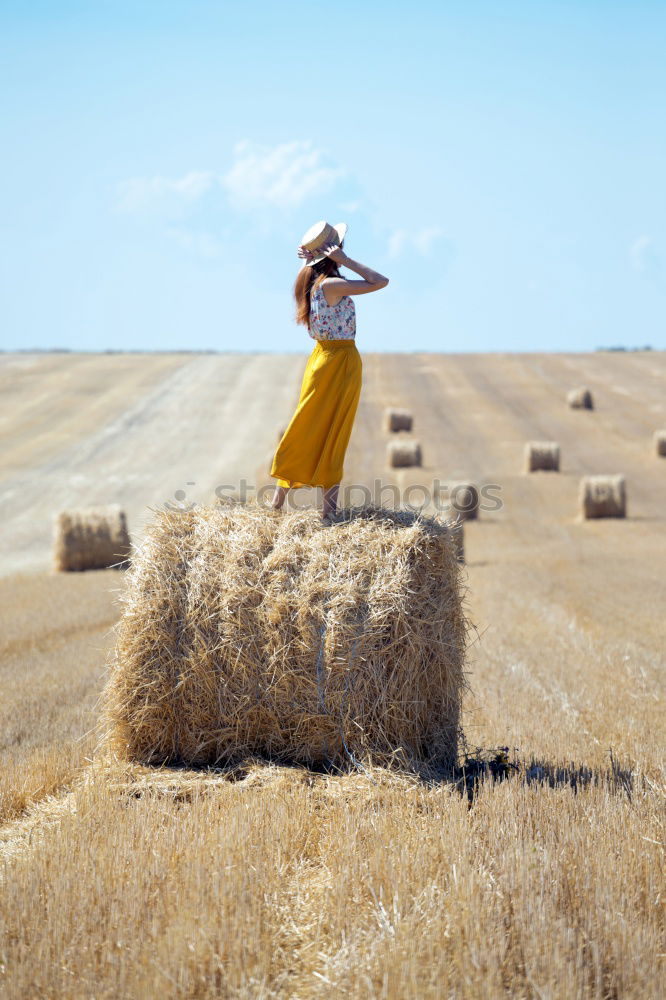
343	286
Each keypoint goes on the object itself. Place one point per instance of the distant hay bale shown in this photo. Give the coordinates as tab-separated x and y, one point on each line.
603	496
660	443
464	501
248	632
542	455
90	538
580	398
401	454
397	420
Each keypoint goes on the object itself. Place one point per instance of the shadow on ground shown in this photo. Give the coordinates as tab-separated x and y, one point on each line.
477	769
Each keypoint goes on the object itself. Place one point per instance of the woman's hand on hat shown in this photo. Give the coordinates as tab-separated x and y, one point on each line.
305	254
334	252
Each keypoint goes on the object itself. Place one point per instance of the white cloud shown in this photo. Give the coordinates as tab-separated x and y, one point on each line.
424	239
140	193
421	240
281	176
643	256
397	240
284	175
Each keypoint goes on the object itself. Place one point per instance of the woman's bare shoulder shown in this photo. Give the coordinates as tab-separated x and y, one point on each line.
331	293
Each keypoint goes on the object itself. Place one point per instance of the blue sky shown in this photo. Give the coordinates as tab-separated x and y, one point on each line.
503	163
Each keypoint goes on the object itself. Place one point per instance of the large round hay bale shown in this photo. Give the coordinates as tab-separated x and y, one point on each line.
659	439
464	501
396	419
402	454
90	538
580	398
603	496
247	631
542	456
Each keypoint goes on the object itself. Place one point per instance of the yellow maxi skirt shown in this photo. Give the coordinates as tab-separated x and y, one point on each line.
312	449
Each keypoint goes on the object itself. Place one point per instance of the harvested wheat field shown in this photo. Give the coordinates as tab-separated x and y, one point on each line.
534	868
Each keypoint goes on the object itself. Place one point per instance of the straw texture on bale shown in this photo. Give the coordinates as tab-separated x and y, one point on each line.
660	443
401	454
603	496
397	420
542	455
90	538
252	631
580	398
458	536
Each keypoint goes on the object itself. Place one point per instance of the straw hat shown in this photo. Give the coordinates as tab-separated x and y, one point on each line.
320	234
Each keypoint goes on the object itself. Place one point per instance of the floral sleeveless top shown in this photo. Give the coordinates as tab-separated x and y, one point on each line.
331	322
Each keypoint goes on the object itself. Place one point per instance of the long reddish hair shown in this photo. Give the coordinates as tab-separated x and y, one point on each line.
305	282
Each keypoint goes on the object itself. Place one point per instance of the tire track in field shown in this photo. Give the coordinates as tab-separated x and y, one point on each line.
24	835
51	400
207	424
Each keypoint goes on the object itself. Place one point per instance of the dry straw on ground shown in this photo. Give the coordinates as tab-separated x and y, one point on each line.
580	398
248	630
603	496
659	439
542	455
403	454
90	538
397	420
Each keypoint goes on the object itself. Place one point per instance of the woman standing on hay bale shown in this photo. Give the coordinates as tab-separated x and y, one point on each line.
312	449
